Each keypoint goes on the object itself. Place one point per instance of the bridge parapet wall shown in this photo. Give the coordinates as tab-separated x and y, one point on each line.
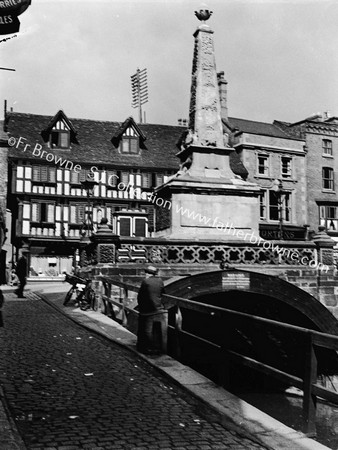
306	264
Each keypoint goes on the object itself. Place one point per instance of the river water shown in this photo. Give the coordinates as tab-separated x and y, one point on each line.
287	408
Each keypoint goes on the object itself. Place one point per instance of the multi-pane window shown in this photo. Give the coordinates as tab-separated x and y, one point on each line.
132	226
26	215
287	207
123	177
273	205
263	165
157	179
328	180
23	179
327	147
279	203
44	174
112	178
129	145
130	142
79	177
140	228
146	180
286	167
77	213
328	217
262	205
125	226
74	177
43	212
60	135
59	139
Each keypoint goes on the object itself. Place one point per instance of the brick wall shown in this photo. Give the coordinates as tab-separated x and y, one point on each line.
315	162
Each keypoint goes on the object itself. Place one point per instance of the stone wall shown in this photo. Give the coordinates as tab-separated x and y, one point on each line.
321	285
296	184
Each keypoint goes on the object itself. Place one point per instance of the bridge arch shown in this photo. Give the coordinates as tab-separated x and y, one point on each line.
260	295
207	284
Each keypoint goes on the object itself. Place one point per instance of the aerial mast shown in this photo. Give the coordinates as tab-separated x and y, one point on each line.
139	90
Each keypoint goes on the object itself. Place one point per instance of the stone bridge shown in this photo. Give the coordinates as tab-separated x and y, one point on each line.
277	267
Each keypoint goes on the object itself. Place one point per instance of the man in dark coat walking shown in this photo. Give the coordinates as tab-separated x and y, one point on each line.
151	310
21	271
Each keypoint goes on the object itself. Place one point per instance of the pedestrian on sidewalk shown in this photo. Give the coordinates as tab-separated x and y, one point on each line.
21	272
151	311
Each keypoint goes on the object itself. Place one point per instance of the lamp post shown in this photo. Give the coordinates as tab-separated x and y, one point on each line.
278	189
87	226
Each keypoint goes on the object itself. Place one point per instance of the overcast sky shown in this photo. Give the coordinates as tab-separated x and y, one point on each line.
280	57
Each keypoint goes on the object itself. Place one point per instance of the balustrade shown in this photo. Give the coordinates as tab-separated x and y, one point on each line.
204	253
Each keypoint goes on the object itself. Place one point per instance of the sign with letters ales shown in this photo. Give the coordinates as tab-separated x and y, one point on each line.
9	12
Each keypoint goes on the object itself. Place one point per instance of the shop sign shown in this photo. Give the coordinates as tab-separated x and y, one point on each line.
9	12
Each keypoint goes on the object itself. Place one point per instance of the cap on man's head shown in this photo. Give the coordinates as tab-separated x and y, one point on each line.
151	269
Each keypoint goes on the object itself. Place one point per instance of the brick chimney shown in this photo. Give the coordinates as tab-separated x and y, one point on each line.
223	94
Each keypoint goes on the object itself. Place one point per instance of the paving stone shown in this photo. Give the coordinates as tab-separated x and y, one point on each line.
115	398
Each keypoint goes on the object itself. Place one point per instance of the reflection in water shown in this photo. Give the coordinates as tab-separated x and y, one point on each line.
287	408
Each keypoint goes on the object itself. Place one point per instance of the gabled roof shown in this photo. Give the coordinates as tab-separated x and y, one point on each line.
260	128
60	115
94	144
130	122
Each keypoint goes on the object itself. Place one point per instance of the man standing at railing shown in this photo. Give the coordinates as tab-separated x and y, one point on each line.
152	314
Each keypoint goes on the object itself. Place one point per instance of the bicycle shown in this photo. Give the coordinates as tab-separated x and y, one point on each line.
85	297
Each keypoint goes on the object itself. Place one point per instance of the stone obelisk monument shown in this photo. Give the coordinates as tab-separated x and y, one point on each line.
205	197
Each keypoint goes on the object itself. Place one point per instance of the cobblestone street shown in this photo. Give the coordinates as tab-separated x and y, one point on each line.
69	389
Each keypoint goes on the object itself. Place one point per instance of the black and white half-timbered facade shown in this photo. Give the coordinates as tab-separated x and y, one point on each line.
51	157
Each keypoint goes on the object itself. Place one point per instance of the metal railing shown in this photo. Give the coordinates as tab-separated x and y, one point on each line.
125	304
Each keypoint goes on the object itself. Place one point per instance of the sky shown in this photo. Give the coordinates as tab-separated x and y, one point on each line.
279	57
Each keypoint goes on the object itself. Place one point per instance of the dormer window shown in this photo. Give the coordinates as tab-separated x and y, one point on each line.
60	135
60	132
59	139
128	139
130	142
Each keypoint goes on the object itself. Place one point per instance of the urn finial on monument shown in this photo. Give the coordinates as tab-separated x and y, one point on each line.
203	14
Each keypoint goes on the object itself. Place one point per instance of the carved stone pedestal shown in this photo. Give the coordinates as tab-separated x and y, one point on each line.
105	243
324	246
